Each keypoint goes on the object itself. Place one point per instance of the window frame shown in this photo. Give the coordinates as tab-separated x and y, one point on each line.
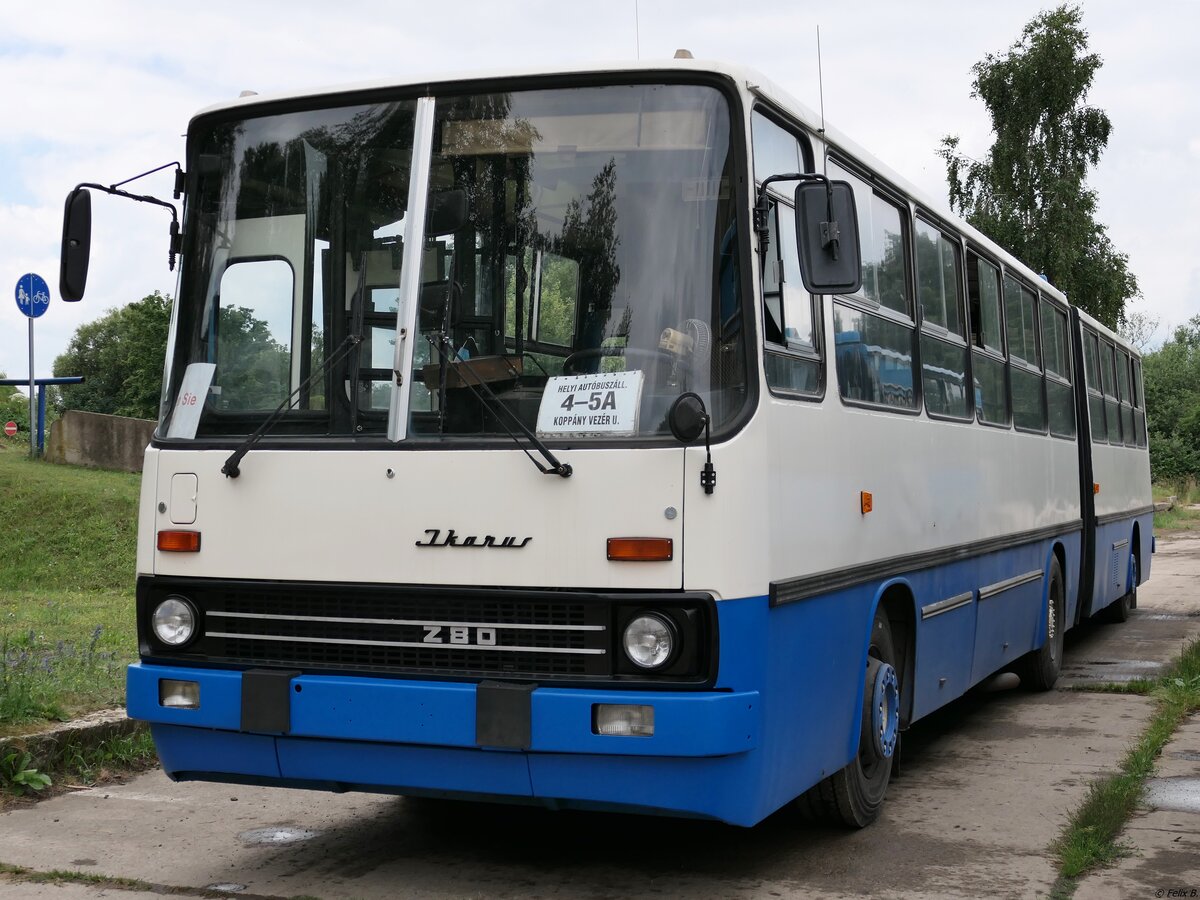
1019	364
863	304
816	306
933	330
1049	377
983	349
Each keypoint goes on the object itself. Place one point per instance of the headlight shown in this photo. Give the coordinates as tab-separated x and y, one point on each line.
649	640
174	621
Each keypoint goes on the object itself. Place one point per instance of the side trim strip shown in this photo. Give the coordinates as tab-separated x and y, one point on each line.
945	606
1009	583
1109	518
789	590
1119	545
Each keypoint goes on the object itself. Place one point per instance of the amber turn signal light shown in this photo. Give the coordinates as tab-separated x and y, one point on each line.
179	541
638	549
866	502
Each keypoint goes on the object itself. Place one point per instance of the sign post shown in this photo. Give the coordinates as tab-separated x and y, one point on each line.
33	299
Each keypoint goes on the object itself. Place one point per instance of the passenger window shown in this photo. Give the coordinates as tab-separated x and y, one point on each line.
791	359
254	335
1108	382
1139	416
775	150
990	389
874	358
881	237
943	350
788	311
1060	399
1025	377
1127	432
939	278
1091	367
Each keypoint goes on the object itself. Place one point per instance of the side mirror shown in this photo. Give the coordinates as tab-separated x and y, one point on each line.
447	212
687	417
76	245
827	235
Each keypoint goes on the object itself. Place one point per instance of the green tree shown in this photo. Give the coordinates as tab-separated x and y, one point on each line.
14	407
120	356
1171	376
1029	194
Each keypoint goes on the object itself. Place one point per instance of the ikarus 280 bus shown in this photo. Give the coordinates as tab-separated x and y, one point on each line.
608	439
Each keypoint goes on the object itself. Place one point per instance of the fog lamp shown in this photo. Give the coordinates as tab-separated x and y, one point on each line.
178	694
623	719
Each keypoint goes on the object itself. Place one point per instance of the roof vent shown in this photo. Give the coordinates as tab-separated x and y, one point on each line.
248	94
683	54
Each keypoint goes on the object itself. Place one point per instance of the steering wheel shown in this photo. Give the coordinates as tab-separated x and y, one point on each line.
571	363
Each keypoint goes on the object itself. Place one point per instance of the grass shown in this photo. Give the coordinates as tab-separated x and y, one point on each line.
66	608
1090	839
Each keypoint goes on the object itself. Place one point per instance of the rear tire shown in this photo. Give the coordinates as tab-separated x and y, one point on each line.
1038	670
1118	611
854	796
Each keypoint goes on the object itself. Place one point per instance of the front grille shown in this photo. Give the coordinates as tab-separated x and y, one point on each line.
377	629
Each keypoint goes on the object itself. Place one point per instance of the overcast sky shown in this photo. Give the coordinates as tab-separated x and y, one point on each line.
100	91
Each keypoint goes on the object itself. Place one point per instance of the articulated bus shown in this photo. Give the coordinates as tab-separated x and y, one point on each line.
614	439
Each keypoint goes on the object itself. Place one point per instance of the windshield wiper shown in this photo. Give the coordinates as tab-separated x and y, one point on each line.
488	397
231	468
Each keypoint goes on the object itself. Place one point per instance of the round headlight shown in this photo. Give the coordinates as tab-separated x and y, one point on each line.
649	640
174	621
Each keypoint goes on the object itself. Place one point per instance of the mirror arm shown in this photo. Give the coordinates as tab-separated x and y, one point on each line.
708	475
762	207
176	238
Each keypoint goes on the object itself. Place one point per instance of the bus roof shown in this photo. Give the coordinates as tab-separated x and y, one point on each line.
744	77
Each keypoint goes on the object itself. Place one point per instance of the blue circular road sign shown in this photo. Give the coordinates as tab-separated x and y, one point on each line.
33	296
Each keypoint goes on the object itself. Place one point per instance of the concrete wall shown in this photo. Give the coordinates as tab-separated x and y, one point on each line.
99	441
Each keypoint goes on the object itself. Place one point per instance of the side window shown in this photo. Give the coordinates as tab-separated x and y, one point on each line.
943	342
990	387
874	334
792	354
1024	367
1091	367
254	335
1108	385
1139	402
1060	401
1127	434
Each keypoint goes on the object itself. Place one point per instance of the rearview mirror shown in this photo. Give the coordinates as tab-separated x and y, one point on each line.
827	235
76	245
447	212
687	417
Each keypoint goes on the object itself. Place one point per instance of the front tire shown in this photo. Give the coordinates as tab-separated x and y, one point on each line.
854	796
1039	669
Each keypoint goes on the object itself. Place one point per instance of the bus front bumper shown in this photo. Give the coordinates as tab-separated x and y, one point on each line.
342	732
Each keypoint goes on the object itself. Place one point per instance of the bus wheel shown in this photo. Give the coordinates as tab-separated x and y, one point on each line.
1038	670
1118	611
854	795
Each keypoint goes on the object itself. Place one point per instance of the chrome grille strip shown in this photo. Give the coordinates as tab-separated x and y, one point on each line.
419	622
428	646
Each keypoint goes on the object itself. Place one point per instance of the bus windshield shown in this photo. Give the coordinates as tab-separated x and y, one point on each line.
578	231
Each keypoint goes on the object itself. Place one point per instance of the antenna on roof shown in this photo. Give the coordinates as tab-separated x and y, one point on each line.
821	94
637	29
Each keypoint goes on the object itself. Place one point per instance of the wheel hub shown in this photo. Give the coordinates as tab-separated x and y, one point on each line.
885	710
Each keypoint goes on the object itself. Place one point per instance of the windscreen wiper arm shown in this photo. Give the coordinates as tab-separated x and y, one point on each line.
231	468
488	397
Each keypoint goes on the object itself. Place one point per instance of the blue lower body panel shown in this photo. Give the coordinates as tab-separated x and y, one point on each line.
419	737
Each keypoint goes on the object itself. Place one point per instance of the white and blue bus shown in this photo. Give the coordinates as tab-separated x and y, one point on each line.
528	437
